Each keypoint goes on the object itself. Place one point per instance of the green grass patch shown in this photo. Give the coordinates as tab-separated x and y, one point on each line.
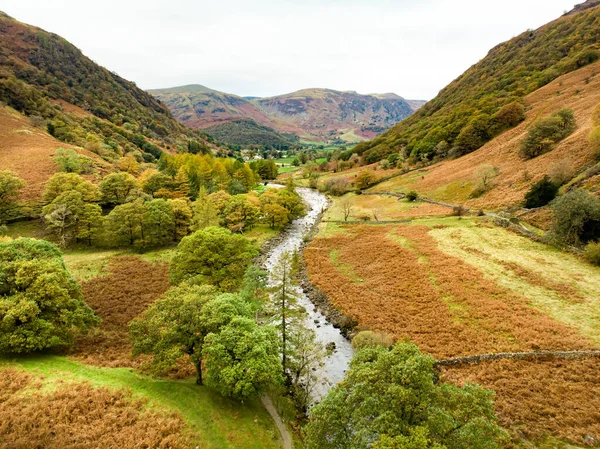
344	268
29	229
220	423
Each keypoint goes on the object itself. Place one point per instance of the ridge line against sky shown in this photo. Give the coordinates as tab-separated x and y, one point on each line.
272	47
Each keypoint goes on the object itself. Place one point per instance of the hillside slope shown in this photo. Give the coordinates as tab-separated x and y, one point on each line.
245	132
461	118
313	114
28	151
43	75
454	180
329	114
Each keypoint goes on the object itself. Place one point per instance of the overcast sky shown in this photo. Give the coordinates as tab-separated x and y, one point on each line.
269	47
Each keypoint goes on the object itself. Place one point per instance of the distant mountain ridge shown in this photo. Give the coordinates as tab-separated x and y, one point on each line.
323	115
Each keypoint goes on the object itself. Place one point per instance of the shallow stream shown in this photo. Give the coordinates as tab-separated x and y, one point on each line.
335	365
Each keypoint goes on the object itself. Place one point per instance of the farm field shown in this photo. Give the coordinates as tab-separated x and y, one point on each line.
380	207
462	287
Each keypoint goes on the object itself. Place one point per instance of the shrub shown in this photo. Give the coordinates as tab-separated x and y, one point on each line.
70	162
561	172
365	179
592	253
370	339
541	193
485	175
37	121
545	133
510	115
594	140
576	217
337	186
412	196
596	115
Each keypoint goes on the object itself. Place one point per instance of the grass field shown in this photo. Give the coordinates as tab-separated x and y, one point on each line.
381	207
462	287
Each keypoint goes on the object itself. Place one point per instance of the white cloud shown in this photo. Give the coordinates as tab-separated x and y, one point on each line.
268	47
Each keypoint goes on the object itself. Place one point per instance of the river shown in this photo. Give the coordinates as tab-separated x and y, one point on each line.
336	364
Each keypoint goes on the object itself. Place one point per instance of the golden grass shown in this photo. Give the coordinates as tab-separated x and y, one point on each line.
125	291
411	289
540	398
457	287
76	415
29	154
381	207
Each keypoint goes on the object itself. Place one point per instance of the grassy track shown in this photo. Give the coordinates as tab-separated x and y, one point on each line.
220	423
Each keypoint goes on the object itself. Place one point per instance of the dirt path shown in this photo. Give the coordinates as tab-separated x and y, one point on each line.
286	437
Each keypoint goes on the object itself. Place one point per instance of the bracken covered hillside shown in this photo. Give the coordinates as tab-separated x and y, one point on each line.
465	114
77	101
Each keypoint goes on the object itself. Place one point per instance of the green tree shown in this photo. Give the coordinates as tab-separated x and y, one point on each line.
283	307
545	133
41	305
289	199
116	187
10	187
151	181
173	327
242	360
365	179
70	162
306	355
576	217
276	215
510	115
182	217
240	213
158	223
205	212
60	183
68	216
129	164
125	222
182	183
390	397
213	255
541	193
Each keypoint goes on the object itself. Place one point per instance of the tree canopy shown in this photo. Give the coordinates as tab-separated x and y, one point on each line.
389	399
41	304
213	255
242	360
